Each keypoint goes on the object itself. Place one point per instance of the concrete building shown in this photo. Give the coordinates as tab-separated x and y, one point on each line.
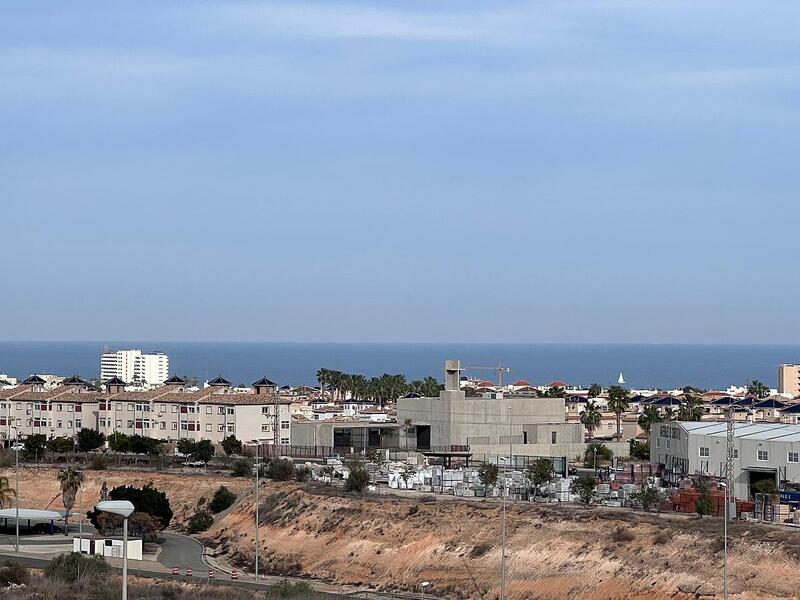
789	379
135	365
346	435
489	424
169	412
762	451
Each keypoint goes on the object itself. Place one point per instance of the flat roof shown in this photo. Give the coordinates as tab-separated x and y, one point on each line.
30	514
752	431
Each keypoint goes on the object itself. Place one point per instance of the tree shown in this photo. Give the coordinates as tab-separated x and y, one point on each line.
60	444
144	525
185	446
6	492
601	451
590	418
34	446
487	474
407	473
231	445
554	392
90	439
648	497
200	521
376	457
757	389
358	479
595	390
649	417
583	487
141	444
539	472
223	498
640	450
147	499
242	467
119	442
70	481
704	505
618	403
202	451
692	409
280	469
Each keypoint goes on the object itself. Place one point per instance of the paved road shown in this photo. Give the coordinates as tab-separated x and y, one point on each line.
182	552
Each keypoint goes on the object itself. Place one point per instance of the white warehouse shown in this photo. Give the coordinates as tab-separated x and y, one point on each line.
761	451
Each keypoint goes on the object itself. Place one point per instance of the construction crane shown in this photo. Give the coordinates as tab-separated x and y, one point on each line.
498	369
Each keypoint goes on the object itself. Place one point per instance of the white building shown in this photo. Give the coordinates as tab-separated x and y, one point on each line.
135	365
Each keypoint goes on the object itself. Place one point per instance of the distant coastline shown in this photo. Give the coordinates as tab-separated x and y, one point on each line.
645	365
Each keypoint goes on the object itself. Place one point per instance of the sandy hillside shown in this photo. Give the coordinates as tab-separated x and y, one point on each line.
555	552
38	487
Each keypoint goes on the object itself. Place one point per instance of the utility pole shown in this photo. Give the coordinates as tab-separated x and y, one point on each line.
504	492
729	496
276	422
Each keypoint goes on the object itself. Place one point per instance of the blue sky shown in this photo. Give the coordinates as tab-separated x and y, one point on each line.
409	171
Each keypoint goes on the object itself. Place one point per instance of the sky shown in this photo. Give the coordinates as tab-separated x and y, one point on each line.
448	171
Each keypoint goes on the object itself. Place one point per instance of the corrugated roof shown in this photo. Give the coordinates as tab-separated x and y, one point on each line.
751	431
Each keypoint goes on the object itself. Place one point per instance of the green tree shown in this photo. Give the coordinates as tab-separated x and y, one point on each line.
140	444
242	467
69	481
648	497
583	487
60	444
90	439
358	479
757	389
185	446
203	451
280	469
692	409
35	445
649	417
640	450
7	493
407	473
618	403
539	472
590	418
200	521
223	498
487	474
555	392
602	452
595	390
704	504
119	442
147	499
231	445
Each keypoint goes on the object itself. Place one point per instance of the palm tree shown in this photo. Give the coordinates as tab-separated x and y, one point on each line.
669	414
595	390
323	376
757	389
6	492
618	404
590	418
407	424
649	417
70	481
693	410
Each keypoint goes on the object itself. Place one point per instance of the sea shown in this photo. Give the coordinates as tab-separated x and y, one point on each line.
663	366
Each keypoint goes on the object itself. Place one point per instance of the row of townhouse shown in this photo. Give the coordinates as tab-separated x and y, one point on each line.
169	412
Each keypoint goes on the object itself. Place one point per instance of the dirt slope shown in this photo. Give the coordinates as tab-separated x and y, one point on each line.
38	487
554	552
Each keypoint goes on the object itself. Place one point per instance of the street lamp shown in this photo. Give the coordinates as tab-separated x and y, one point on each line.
422	587
124	509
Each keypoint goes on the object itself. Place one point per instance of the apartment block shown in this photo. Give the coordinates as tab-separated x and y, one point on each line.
135	365
789	379
169	412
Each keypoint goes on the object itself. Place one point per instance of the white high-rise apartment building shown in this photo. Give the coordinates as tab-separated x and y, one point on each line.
135	365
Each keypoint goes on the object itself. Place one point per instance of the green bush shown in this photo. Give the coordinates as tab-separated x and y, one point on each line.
604	453
231	445
12	573
222	499
60	445
302	473
358	479
583	487
242	467
90	439
285	589
280	469
74	566
99	462
200	521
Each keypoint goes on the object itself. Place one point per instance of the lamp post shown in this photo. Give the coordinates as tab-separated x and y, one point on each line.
422	587
258	482
124	509
16	448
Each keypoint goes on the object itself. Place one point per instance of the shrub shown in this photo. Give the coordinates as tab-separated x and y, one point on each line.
287	589
223	498
90	439
34	446
242	467
231	445
358	478
604	453
99	462
648	497
74	566
487	473
200	521
640	450
12	573
147	499
704	504
660	538
302	473
60	445
479	550
622	535
583	486
280	469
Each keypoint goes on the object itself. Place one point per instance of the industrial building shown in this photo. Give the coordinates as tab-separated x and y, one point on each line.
761	451
491	423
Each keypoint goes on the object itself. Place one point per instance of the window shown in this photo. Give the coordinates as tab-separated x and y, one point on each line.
221	428
230	410
59	407
19	406
69	424
285	425
162	408
58	424
658	442
162	426
735	453
284	440
69	407
119	405
130	424
793	457
220	410
101	420
208	426
265	428
174	408
553	436
174	426
119	422
130	406
762	455
77	408
265	410
230	428
209	410
705	451
77	423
